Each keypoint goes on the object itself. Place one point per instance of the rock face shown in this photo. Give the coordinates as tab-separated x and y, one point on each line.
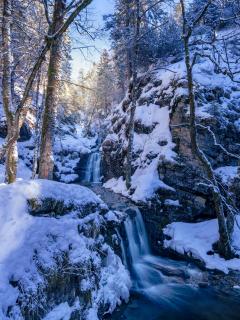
188	198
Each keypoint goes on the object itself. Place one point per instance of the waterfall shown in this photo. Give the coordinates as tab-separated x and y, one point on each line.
146	278
96	167
137	237
146	269
93	168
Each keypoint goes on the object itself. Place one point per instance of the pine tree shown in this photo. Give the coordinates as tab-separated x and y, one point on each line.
105	84
122	36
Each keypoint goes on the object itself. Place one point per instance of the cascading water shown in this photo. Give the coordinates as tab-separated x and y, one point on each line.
164	288
146	269
93	168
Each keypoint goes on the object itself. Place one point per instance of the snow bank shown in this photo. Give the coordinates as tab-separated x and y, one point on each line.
33	249
196	240
62	312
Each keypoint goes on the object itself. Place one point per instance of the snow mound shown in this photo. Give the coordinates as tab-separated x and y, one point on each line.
36	250
196	240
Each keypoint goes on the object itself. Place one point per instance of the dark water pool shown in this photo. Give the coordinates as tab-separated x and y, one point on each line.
186	304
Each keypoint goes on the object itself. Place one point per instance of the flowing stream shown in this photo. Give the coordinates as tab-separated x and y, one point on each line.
163	288
166	289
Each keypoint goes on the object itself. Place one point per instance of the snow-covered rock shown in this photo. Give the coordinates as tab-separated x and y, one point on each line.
71	154
163	165
54	258
196	241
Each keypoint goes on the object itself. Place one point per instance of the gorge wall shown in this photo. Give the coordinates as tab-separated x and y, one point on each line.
176	183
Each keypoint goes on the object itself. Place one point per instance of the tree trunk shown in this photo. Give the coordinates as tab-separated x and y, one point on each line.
224	243
11	163
38	126
133	64
11	152
46	162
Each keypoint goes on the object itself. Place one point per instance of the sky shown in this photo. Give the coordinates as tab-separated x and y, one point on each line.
84	60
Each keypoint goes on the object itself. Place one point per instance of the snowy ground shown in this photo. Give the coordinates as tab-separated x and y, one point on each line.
33	248
75	142
196	240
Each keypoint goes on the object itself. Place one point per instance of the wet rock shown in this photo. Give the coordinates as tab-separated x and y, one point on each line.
52	207
141	128
171	272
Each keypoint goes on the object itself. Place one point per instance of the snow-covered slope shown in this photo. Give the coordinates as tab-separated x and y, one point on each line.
57	255
160	138
150	149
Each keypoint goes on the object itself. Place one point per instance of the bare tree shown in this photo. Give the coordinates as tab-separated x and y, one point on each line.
225	230
46	161
37	135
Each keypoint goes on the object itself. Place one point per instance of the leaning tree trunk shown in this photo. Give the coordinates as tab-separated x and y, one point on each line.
224	243
11	152
46	162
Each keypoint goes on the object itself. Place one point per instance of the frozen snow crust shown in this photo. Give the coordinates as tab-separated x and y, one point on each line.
56	258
